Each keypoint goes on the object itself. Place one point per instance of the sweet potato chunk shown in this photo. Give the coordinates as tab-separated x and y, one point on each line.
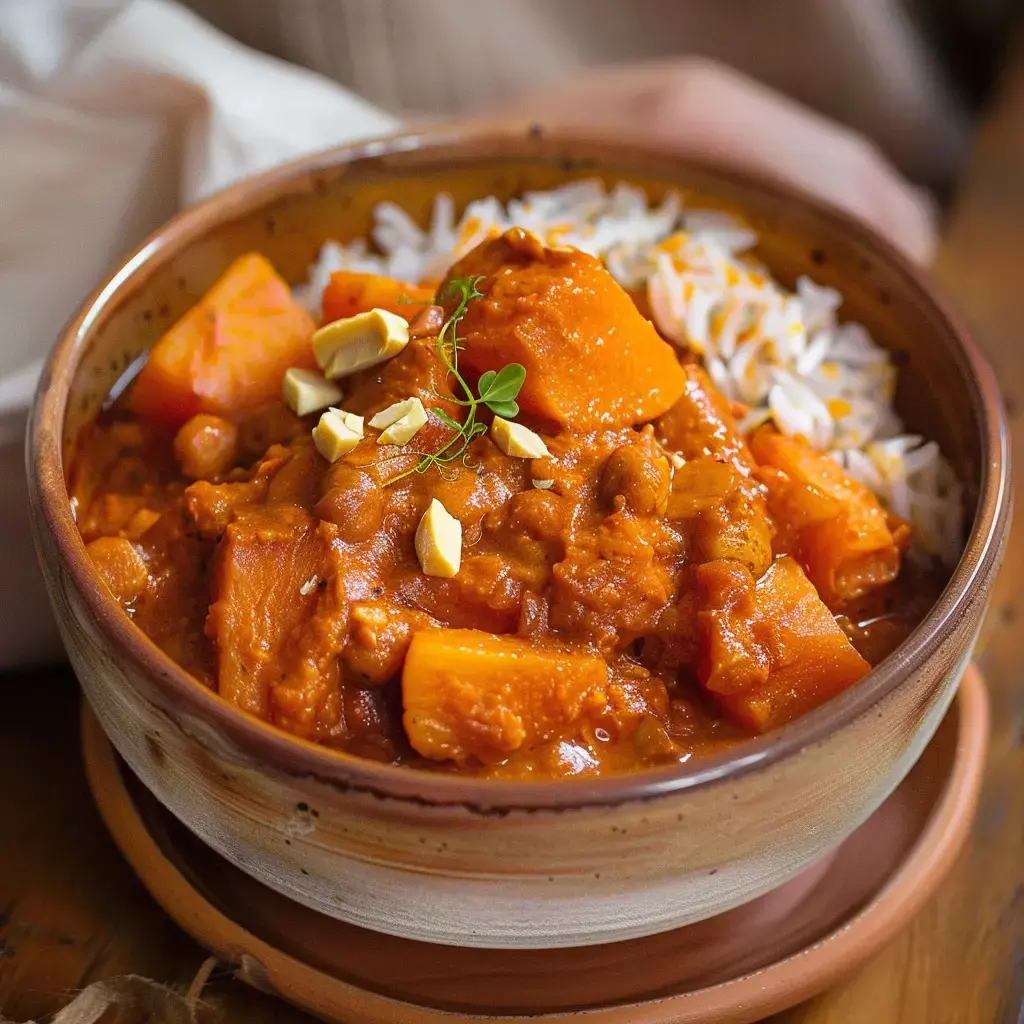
832	524
264	586
770	651
349	293
591	359
229	352
472	696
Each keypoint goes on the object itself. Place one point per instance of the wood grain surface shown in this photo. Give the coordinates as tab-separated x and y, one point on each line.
71	912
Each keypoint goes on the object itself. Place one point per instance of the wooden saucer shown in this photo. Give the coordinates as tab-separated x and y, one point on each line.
755	960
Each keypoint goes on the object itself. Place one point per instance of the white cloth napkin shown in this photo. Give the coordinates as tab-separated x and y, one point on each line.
113	114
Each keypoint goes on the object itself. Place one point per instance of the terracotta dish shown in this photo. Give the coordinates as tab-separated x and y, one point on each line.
758	959
480	862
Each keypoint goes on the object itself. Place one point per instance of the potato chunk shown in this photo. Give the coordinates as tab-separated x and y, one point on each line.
471	696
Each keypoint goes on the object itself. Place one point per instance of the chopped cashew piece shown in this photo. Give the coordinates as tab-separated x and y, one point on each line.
515	439
305	391
400	421
543	485
439	541
337	433
360	341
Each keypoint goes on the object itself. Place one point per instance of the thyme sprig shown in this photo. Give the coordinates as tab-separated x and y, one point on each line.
497	390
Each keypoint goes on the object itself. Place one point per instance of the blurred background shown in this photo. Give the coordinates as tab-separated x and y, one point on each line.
908	74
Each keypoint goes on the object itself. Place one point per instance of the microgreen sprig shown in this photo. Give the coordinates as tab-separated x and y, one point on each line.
497	389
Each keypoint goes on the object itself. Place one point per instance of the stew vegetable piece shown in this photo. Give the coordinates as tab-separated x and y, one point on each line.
531	541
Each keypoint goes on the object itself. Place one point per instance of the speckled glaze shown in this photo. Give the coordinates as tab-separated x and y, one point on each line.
475	862
734	968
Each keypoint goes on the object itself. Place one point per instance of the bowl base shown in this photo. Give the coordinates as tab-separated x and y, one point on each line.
757	959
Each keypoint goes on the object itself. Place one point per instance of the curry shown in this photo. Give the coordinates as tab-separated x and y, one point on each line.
514	532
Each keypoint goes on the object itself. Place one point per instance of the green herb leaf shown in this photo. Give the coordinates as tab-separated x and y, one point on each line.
447	420
504	386
462	288
496	390
506	410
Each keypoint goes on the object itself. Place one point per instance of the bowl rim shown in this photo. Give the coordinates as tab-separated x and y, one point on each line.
274	748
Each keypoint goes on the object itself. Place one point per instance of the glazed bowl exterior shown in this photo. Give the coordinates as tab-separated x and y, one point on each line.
430	855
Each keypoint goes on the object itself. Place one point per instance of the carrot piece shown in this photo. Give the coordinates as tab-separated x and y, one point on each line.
591	359
783	622
473	696
348	293
832	524
229	351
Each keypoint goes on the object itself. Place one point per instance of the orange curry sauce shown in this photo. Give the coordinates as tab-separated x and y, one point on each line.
676	588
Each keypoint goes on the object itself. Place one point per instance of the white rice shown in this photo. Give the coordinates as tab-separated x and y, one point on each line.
782	354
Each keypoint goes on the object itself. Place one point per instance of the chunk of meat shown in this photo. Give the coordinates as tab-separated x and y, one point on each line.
120	566
211	507
206	446
731	658
349	292
299	477
771	651
639	473
306	699
353	500
725	510
174	605
613	584
486	593
556	310
379	636
714	487
266	425
470	696
832	524
229	352
700	424
265	582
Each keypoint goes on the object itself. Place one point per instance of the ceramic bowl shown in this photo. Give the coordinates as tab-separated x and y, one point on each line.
436	857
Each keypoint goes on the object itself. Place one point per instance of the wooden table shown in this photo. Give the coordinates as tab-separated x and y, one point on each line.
71	912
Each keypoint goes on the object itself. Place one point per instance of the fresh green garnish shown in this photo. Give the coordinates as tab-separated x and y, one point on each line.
497	389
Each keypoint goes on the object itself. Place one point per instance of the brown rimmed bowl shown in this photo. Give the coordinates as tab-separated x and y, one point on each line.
474	862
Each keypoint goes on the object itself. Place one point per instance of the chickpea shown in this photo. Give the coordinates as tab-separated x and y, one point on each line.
640	473
206	446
